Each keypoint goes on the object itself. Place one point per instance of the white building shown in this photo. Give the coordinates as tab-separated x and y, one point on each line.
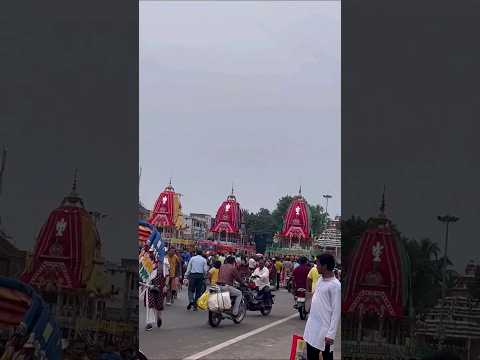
197	226
330	240
456	321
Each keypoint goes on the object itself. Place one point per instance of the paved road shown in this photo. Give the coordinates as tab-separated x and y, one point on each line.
186	333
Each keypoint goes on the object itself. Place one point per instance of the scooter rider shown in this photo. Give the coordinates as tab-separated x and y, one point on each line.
227	275
300	281
300	274
261	276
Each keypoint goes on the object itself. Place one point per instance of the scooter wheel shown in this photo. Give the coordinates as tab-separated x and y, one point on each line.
214	319
242	311
266	310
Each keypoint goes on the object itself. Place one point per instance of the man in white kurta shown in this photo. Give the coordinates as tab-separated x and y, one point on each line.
262	275
325	312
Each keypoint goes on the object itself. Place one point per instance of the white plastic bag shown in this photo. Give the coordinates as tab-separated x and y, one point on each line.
218	300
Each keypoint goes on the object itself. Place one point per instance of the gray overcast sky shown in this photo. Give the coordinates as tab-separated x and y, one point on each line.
242	92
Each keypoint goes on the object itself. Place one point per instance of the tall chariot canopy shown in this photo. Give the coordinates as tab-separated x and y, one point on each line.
68	248
228	217
167	211
297	220
378	279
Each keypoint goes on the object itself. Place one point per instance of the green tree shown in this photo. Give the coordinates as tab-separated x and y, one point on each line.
261	226
318	218
426	272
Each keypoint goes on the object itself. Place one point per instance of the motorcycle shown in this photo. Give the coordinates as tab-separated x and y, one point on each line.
215	317
258	300
289	283
300	297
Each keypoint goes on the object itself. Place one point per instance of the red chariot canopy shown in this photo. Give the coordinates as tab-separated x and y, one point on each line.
228	217
163	212
65	248
377	278
296	222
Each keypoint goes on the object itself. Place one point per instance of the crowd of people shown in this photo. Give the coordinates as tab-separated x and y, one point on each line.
318	276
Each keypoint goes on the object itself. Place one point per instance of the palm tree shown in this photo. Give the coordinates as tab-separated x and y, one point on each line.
426	273
429	248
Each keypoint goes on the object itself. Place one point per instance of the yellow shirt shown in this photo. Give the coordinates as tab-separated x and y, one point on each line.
314	276
278	266
213	276
173	261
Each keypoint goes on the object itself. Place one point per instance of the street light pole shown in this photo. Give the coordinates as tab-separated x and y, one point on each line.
446	219
326	196
97	216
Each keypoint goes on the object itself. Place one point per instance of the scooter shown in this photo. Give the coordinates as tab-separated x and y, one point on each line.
215	317
289	283
258	300
300	296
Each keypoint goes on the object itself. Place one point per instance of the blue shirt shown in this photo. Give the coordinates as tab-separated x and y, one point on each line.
197	265
186	257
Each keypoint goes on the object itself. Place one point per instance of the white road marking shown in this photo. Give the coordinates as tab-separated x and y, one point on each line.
215	348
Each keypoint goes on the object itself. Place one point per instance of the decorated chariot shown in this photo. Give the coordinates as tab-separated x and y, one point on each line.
26	321
295	238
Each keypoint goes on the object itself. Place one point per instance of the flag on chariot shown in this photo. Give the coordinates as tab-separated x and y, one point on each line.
151	241
22	309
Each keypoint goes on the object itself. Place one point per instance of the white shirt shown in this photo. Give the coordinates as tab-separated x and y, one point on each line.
197	265
166	267
264	277
325	313
252	263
